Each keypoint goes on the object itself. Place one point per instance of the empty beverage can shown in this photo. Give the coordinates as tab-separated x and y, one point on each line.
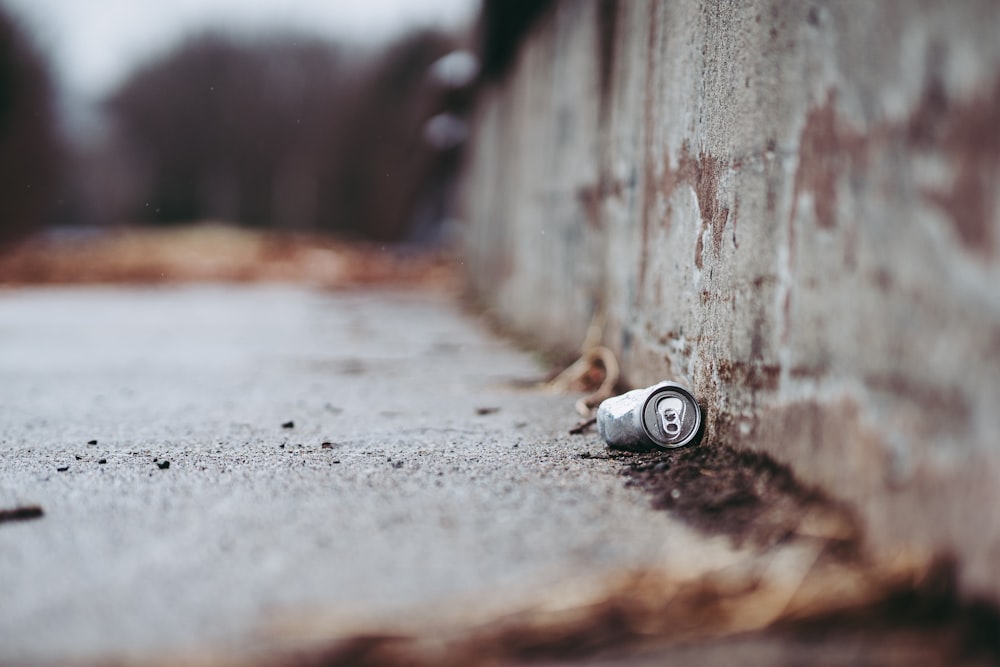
665	415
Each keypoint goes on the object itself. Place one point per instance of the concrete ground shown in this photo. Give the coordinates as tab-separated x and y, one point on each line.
263	476
348	456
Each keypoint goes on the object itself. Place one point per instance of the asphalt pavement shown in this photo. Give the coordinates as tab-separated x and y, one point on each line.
214	462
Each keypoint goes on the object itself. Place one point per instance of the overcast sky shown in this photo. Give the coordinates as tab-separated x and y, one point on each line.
94	43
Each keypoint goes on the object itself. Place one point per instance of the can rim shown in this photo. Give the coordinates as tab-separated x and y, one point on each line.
656	391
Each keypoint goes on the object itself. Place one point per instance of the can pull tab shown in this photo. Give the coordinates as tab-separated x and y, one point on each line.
671	411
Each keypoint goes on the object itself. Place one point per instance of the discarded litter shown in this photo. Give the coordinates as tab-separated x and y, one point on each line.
665	415
23	513
582	426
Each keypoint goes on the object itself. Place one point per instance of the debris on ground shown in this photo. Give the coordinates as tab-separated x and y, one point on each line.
582	426
288	424
487	410
744	494
22	513
596	372
163	465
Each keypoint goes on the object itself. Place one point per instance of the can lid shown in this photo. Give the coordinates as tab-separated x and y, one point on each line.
671	416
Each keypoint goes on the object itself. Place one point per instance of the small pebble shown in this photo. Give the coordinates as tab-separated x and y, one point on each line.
62	468
163	465
288	424
91	442
102	462
327	445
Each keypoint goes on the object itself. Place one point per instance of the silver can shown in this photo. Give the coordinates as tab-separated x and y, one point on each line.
665	415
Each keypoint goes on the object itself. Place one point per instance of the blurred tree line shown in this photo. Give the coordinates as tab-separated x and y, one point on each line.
278	132
29	144
282	131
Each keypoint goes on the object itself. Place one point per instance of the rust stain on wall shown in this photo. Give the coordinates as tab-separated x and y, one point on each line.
648	184
969	135
826	150
753	375
702	174
941	407
965	133
592	197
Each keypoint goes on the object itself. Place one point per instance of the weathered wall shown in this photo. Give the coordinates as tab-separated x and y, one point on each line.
794	207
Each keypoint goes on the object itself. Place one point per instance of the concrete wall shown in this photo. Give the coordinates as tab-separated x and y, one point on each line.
794	207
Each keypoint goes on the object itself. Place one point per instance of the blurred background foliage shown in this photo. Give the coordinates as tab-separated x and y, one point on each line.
30	148
278	132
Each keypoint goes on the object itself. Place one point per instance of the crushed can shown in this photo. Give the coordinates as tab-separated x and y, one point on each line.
665	415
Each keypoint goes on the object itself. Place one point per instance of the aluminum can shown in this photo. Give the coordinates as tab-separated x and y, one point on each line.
665	415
